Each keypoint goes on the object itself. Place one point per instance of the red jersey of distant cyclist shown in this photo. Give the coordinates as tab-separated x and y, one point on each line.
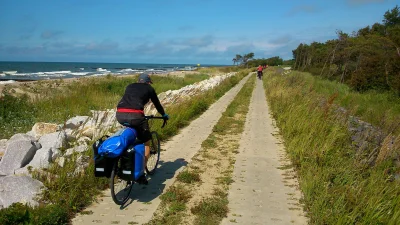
260	68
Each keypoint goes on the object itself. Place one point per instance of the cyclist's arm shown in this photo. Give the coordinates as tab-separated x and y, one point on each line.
156	102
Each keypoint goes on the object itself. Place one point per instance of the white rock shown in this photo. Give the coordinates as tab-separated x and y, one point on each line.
88	131
82	162
21	137
71	134
40	129
56	154
42	158
83	140
76	121
80	149
61	161
19	189
22	172
54	140
17	155
2	147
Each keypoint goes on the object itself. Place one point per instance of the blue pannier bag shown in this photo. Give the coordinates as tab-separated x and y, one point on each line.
116	144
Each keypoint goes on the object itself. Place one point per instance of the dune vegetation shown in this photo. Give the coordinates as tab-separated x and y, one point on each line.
343	182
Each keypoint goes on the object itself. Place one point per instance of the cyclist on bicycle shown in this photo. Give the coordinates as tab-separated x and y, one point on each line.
259	71
130	110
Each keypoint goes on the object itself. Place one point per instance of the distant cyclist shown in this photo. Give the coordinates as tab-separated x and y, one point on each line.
130	110
259	72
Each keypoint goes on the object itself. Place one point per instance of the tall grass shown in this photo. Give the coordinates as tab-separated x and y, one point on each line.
18	114
337	188
378	108
72	193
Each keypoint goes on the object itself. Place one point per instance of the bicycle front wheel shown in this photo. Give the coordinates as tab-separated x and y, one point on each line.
154	157
120	189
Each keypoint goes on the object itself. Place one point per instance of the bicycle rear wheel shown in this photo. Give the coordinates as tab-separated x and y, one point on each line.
154	157
120	189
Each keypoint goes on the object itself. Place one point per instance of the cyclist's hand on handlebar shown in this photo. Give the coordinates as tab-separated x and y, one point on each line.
166	116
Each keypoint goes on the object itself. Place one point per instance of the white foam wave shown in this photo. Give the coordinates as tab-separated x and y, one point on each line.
58	72
79	73
10	72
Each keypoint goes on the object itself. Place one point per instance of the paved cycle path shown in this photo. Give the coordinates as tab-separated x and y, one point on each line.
262	192
178	152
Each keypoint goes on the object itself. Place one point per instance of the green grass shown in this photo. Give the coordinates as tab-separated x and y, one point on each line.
378	108
210	210
188	177
174	201
338	188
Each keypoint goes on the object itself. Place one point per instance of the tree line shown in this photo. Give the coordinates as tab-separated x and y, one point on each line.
249	61
366	59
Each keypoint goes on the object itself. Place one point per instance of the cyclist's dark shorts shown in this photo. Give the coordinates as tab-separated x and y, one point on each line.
137	121
259	73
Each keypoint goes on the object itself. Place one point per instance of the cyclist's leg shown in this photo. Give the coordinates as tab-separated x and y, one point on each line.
145	136
146	151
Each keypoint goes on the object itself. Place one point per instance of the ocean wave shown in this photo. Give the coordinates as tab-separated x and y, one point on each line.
10	72
79	73
57	72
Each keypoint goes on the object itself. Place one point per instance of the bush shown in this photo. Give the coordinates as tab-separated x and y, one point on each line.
16	214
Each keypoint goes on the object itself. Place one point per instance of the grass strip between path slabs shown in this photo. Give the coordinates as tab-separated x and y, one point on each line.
200	193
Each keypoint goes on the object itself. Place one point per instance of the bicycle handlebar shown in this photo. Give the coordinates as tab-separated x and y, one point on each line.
157	117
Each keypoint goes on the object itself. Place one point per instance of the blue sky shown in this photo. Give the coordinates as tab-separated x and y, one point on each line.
173	31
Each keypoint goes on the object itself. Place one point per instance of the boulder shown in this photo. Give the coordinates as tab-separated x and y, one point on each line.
71	134
56	154
76	122
2	151
88	131
80	149
54	140
19	189
17	155
104	118
83	141
21	137
2	147
61	161
42	158
40	129
22	172
82	162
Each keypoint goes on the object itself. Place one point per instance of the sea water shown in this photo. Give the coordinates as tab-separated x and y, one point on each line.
56	70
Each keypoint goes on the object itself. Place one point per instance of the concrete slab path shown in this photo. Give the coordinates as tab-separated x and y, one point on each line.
262	192
179	151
